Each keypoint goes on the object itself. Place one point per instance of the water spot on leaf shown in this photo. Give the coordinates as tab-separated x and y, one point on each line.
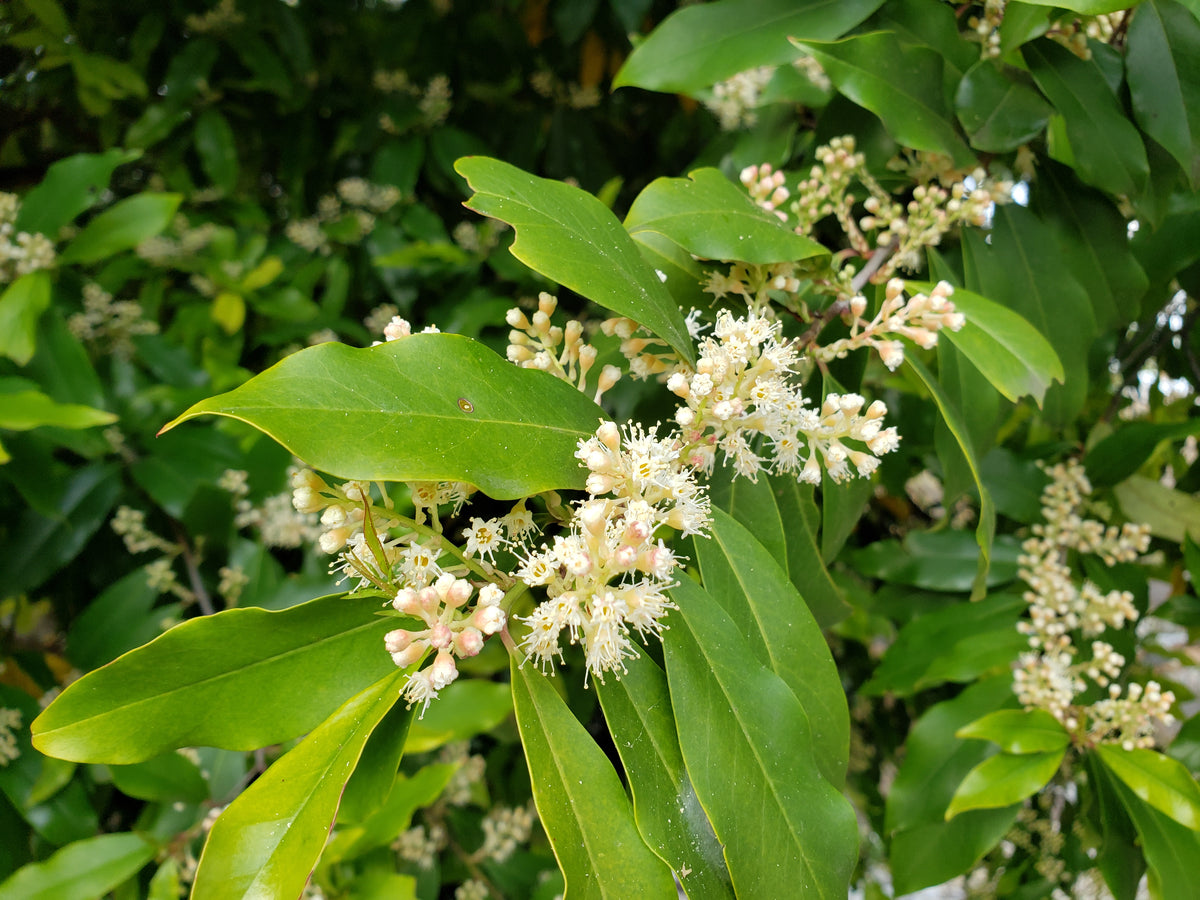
466	405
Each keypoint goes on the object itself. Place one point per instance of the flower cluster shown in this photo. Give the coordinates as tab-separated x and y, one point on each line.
608	573
1050	677
110	325
735	100
742	389
10	723
434	101
346	216
21	252
919	319
561	351
1073	32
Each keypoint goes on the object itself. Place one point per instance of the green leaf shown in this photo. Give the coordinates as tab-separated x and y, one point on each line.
997	112
900	83
1158	780
740	574
166	778
1010	352
429	407
572	238
934	853
958	643
1162	62
21	305
985	532
23	410
217	149
1106	147
268	840
751	503
464	709
122	226
1017	266
84	870
580	800
1003	780
1171	849
1085	7
710	217
226	680
1019	731
799	514
747	744
1119	857
1171	514
637	709
936	560
935	761
699	46
1124	451
70	187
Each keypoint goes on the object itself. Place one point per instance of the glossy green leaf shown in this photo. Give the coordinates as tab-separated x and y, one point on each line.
710	217
1162	61
917	22
268	840
637	709
998	112
935	761
800	516
1010	352
752	504
464	709
217	149
934	853
958	643
748	746
1085	7
1019	731
580	800
1092	237
122	226
23	410
70	187
429	407
684	273
985	532
1124	451
84	870
226	680
1119	856
21	305
166	779
902	84
1157	779
1171	514
1171	849
375	773
571	237
1017	266
936	560
1105	145
699	46
740	574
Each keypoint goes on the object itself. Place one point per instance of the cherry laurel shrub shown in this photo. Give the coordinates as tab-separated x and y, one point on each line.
926	240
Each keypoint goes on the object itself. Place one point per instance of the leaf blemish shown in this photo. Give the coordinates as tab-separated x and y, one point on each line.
466	405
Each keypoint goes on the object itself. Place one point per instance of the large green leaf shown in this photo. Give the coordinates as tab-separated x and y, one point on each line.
1162	62
1119	857
1126	450
800	517
985	532
580	800
226	680
935	852
1157	779
740	574
701	45
1085	7
22	410
1018	266
217	149
900	83
1092	237
167	778
747	743
1003	780
84	870
21	305
958	643
122	226
998	112
1105	145
71	186
571	237
1010	352
708	216
637	709
1171	849
1019	731
1171	514
936	560
268	840
429	407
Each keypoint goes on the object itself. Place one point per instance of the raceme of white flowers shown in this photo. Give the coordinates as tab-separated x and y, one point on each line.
1051	676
